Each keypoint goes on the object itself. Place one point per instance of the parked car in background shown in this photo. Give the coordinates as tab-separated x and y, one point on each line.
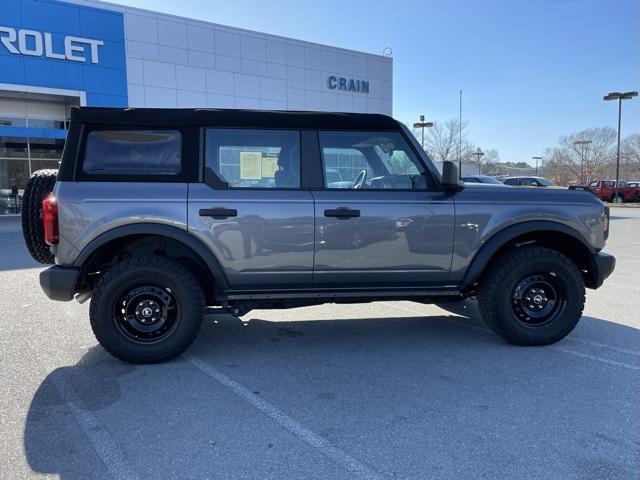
528	182
635	185
605	190
481	179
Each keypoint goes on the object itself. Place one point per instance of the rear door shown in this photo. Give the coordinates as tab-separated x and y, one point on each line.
250	210
383	223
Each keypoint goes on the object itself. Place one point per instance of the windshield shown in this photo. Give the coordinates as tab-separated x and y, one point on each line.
492	180
545	182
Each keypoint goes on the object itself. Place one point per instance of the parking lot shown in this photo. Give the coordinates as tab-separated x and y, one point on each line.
382	390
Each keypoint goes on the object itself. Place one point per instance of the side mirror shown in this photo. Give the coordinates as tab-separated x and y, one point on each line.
450	175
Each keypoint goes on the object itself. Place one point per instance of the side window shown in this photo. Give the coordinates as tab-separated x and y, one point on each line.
369	161
528	182
133	152
511	181
254	158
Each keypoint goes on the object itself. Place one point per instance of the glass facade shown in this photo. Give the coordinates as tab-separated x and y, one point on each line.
32	135
19	158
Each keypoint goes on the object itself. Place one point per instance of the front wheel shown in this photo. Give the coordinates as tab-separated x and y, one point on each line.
147	309
532	296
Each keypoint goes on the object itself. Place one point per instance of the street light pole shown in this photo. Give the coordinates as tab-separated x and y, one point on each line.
478	153
618	96
536	159
422	124
583	144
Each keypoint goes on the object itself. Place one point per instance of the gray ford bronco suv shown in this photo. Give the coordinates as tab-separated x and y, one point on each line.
160	216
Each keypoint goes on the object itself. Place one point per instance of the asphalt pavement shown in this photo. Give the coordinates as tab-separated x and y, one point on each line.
383	390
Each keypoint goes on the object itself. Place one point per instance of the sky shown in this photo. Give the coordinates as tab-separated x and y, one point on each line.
530	70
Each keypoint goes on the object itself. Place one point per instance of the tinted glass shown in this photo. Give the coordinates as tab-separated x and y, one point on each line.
12	173
369	160
46	148
254	158
491	180
133	152
9	121
471	180
42	123
511	181
528	182
13	147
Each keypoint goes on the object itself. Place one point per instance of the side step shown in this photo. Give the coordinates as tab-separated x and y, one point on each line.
328	294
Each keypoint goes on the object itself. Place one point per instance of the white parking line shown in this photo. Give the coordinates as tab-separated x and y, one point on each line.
602	345
106	448
593	357
554	347
343	459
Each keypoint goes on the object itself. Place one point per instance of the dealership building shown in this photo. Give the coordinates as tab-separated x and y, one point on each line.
56	54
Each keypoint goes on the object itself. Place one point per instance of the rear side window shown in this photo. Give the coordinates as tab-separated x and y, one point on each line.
254	158
511	181
133	152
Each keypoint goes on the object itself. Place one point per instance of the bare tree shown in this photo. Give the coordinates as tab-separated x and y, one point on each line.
441	140
630	156
598	154
490	161
559	165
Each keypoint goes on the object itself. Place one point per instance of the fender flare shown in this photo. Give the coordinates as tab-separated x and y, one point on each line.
169	231
507	234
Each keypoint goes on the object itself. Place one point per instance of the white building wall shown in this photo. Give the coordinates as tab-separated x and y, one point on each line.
178	62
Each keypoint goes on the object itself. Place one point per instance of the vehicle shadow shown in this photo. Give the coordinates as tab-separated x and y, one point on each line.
412	397
13	251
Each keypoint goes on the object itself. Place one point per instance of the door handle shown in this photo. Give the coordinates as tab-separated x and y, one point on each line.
342	212
218	212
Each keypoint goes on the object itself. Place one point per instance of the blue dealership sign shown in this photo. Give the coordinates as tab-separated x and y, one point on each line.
48	43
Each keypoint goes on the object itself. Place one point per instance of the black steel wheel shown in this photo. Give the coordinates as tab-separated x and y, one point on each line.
146	313
531	295
538	299
145	321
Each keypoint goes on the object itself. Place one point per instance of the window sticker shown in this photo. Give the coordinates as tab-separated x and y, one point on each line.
269	167
250	165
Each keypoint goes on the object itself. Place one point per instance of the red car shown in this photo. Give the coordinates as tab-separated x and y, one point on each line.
606	190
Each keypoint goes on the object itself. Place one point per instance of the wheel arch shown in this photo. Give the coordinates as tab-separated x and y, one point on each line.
555	235
174	242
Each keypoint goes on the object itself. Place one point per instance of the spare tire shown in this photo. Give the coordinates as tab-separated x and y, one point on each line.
39	187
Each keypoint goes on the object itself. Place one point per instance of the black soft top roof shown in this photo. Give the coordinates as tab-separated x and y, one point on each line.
176	117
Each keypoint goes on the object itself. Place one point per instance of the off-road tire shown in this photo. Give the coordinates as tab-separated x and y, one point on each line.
165	273
39	187
497	295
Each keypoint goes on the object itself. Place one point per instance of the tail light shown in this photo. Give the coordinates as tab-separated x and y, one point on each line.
50	220
606	222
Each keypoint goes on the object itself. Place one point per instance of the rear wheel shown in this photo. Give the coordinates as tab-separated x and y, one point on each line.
39	187
147	309
532	296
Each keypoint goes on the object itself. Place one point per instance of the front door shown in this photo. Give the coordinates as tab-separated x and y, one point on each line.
250	210
379	221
